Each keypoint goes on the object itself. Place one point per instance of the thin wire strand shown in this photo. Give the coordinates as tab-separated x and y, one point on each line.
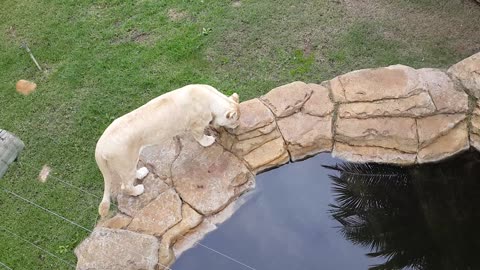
226	256
46	210
5	266
38	247
71	222
181	236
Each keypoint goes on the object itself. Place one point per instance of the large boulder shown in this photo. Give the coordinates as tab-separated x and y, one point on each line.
375	84
475	127
287	99
306	135
117	249
159	215
257	140
209	178
468	72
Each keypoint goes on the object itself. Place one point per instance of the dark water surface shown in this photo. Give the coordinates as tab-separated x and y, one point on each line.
360	217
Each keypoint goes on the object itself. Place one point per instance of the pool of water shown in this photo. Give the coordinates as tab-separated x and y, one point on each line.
348	216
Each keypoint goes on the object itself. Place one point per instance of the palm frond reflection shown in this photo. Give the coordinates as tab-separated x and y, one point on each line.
420	217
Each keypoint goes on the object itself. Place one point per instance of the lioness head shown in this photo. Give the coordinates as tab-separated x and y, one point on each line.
230	116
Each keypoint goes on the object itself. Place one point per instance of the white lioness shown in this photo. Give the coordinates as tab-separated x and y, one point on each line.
188	109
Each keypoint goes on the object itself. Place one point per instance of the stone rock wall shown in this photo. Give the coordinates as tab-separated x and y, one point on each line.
395	114
10	149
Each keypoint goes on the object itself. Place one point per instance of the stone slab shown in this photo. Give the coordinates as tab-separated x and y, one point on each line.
306	135
468	72
117	249
365	154
392	133
413	106
446	146
287	99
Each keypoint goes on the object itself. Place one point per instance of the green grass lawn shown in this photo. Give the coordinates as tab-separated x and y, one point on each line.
105	58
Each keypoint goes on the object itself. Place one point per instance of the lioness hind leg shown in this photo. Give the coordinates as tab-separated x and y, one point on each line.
141	173
198	133
128	177
206	140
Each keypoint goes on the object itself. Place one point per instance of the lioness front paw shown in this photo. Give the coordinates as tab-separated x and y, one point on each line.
141	173
207	140
138	190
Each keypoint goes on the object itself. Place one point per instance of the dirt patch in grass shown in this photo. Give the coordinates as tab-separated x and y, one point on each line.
456	22
176	15
133	36
139	37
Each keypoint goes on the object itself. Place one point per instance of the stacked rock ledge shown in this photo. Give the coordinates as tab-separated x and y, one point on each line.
396	115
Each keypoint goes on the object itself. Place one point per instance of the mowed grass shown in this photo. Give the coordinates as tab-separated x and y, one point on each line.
105	58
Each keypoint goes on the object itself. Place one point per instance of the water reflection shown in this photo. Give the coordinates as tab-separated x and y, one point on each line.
419	217
285	226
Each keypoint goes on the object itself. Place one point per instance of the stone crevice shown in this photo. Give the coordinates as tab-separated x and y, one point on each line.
376	146
276	127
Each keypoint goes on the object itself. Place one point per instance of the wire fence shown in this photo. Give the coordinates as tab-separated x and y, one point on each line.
5	266
73	223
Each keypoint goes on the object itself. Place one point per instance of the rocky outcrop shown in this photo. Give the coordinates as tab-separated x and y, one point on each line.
468	73
208	178
475	127
190	220
395	115
159	215
187	183
306	135
287	99
257	140
399	115
375	84
117	249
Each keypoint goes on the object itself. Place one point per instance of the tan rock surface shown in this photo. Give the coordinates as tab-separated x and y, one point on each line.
244	147
475	127
319	103
338	92
468	72
117	249
432	127
159	215
362	154
204	176
306	135
445	146
190	219
258	132
413	106
159	158
271	154
287	99
376	84
119	221
208	225
446	97
253	115
392	133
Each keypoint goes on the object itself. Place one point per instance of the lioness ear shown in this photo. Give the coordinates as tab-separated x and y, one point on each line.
231	114
235	97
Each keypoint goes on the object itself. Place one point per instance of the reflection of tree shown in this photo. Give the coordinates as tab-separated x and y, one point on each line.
421	217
